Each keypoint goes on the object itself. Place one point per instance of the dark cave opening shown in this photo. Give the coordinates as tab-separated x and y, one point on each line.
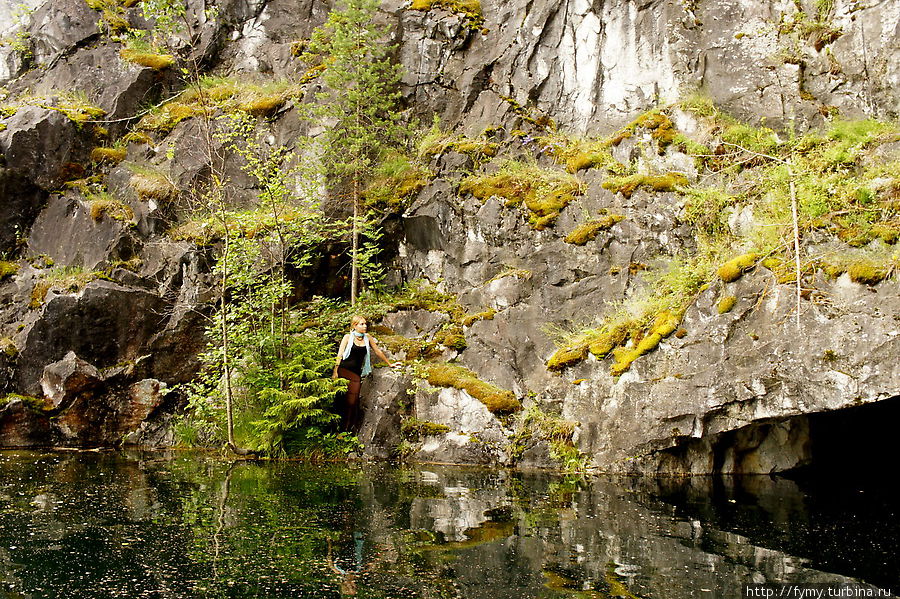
857	443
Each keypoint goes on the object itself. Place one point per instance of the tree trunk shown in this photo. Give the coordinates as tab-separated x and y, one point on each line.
796	224
354	267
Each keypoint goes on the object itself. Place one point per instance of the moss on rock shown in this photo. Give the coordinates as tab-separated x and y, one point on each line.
588	231
543	192
567	356
736	267
108	155
726	304
413	429
497	401
152	60
659	183
8	269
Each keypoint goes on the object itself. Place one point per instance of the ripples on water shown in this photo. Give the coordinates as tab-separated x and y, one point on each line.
189	525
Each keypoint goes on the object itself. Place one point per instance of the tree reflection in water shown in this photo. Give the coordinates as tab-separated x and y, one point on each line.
87	524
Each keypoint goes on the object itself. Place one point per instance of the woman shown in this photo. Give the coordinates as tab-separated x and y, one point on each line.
354	362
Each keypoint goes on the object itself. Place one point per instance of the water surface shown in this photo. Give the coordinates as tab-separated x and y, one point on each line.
109	524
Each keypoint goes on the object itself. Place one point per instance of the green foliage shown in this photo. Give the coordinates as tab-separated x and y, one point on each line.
699	104
285	392
359	110
295	397
535	425
706	209
359	107
761	140
845	183
167	16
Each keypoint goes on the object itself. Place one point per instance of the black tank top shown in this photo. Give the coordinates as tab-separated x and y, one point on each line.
354	362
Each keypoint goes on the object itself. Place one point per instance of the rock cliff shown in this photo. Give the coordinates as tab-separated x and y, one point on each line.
102	309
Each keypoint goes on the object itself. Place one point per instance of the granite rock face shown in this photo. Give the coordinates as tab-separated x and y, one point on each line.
733	394
588	64
739	392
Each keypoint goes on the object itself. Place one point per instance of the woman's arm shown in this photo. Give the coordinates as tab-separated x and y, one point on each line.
380	353
340	356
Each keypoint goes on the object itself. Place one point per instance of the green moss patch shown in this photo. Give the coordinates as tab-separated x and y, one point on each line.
396	182
152	60
657	122
247	224
471	319
8	347
67	280
726	304
108	155
221	95
35	404
470	9
578	154
536	425
106	206
567	356
588	231
8	269
663	326
167	116
864	270
598	342
497	401
543	192
658	183
736	267
436	142
843	178
73	104
152	185
413	429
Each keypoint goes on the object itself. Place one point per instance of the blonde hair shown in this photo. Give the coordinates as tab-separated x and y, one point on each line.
357	318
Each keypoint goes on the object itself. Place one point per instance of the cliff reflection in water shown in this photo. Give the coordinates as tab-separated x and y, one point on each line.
186	525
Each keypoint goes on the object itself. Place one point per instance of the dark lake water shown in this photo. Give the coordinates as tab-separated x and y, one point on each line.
110	524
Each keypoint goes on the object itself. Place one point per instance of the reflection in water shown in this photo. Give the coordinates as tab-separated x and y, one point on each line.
187	525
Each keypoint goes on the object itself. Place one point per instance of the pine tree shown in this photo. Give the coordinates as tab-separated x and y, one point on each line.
359	106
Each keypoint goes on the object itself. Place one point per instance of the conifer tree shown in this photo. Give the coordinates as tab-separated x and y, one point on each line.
359	106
